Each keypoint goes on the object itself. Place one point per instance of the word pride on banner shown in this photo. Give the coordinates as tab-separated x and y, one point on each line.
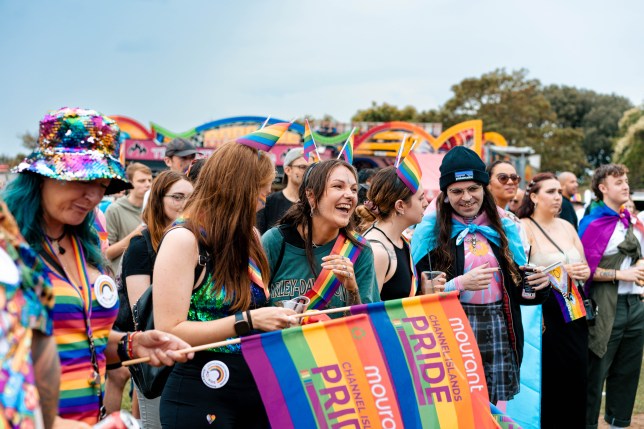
324	375
435	362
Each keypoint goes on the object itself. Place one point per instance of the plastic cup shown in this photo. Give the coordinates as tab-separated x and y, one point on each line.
427	281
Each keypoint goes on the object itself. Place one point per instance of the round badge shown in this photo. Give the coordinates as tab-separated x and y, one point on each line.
105	291
215	374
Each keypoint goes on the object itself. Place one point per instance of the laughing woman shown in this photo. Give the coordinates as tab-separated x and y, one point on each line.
303	250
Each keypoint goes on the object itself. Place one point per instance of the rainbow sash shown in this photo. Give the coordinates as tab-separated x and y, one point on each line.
568	296
327	283
414	274
255	276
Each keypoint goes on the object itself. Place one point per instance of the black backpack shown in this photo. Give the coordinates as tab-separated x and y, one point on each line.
151	380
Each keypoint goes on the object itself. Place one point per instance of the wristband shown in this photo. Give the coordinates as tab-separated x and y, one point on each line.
130	344
250	320
121	349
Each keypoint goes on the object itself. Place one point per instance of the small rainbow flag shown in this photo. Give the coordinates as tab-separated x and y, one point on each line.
265	138
567	295
347	149
409	172
327	283
255	276
310	149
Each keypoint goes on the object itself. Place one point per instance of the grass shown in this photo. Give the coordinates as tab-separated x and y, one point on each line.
639	398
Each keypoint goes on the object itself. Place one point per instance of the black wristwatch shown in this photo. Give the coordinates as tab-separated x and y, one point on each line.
242	327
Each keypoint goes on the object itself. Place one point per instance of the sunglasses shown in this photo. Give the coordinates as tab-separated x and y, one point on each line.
503	178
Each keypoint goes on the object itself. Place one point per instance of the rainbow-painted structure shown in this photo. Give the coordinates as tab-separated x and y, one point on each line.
376	145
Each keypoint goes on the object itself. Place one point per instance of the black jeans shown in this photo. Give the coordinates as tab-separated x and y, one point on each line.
619	367
187	402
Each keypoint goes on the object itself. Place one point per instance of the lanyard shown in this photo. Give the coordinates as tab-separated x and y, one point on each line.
84	291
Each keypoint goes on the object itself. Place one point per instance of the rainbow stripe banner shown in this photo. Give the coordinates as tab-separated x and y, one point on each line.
410	173
265	138
327	283
437	366
323	375
405	363
310	149
568	296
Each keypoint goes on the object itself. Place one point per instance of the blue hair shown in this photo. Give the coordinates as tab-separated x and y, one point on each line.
23	197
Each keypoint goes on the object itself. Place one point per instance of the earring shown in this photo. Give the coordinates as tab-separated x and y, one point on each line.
446	200
312	211
535	205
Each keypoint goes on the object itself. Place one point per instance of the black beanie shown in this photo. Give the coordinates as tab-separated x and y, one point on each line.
461	164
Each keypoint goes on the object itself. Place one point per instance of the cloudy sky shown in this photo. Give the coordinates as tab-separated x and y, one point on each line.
183	63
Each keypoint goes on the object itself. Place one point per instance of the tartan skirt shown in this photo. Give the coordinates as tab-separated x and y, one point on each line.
499	361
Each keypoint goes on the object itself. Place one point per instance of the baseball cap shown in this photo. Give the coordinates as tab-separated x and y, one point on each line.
180	147
292	155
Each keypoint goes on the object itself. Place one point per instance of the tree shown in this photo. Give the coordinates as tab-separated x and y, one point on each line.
596	115
29	141
629	149
385	113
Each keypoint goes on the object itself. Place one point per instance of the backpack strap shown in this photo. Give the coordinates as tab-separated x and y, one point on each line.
152	255
203	258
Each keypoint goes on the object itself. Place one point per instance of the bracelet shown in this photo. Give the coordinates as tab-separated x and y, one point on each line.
250	320
130	343
614	276
121	349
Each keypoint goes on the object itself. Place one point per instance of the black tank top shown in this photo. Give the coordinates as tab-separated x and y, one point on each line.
399	285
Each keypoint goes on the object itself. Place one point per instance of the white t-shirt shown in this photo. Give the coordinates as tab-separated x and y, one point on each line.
611	249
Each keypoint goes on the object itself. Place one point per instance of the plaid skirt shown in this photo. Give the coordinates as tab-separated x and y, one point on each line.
499	362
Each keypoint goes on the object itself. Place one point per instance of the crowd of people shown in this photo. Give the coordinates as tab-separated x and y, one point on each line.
225	255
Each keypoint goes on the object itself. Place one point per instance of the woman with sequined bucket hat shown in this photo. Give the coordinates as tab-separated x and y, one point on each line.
53	200
465	235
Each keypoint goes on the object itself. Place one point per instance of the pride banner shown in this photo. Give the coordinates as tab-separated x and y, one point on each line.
323	375
437	365
567	295
409	363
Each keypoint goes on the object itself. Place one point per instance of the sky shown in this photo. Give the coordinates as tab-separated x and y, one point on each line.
183	63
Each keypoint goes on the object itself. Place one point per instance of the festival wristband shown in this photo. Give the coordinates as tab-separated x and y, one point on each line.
130	344
121	349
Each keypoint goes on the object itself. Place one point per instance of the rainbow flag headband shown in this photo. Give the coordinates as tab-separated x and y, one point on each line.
327	283
409	170
567	295
266	137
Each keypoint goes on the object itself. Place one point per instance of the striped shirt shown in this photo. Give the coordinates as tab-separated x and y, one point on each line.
78	399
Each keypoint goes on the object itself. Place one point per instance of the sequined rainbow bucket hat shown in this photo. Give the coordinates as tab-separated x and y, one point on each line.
78	144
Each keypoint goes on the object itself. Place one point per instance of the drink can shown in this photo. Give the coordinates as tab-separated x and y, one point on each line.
640	263
118	420
528	291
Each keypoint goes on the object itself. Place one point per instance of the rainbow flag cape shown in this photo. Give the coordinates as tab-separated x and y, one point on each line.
323	375
409	172
265	138
347	149
310	149
404	363
438	372
567	295
595	230
327	283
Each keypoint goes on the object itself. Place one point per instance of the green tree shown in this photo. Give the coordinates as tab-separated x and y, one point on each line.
629	149
29	141
385	113
596	115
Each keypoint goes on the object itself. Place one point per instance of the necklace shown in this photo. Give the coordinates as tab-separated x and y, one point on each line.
57	240
472	240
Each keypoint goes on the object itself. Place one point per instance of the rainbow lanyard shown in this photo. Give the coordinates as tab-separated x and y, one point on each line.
327	283
84	290
255	276
414	274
